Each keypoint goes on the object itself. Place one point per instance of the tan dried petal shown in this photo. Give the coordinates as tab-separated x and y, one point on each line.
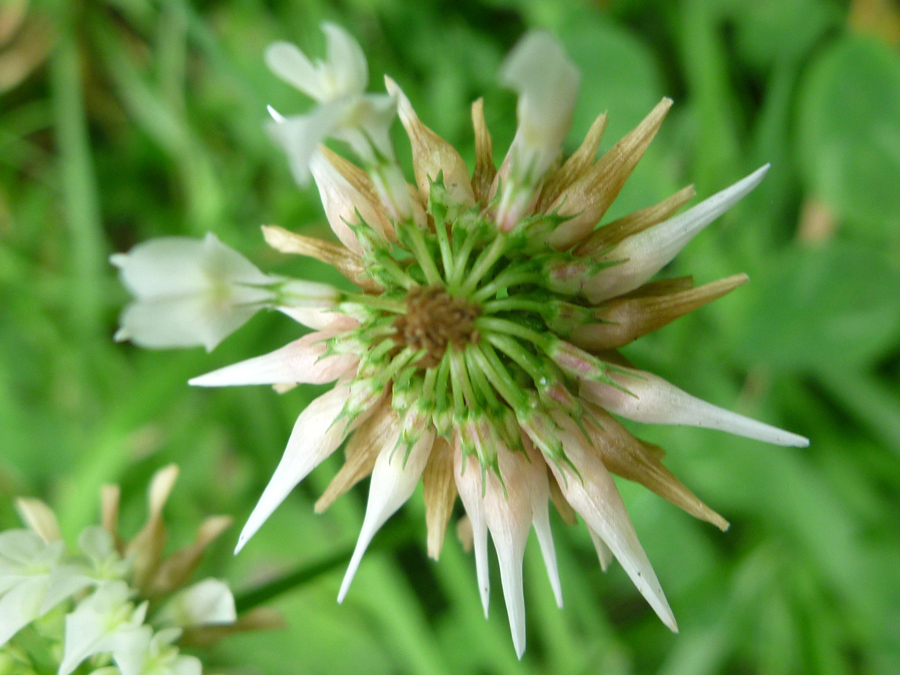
561	504
588	198
626	319
336	255
174	571
110	496
440	495
260	618
628	457
432	155
609	235
661	287
485	170
372	213
575	167
465	534
604	555
148	545
361	452
39	518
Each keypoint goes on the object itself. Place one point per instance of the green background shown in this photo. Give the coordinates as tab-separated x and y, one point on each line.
131	119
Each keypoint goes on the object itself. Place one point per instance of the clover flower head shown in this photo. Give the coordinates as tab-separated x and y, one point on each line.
480	353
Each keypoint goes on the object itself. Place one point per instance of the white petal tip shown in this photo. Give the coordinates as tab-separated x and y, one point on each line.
520	648
277	116
121	335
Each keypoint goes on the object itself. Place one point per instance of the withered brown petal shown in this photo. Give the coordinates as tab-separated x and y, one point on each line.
588	198
485	170
630	458
336	255
440	495
575	167
626	319
361	452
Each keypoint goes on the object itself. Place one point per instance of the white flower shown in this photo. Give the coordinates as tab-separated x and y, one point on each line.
32	582
159	657
197	292
547	84
345	111
105	622
344	73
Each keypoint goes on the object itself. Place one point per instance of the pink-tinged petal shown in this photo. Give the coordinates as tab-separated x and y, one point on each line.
432	155
508	515
317	433
320	318
593	494
467	471
642	255
652	400
299	362
341	202
394	479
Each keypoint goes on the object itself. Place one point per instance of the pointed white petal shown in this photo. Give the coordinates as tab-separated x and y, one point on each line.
647	252
539	488
468	483
597	500
393	482
294	67
508	516
654	401
298	362
346	60
316	435
319	318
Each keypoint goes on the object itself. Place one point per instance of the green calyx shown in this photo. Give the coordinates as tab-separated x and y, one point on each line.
467	330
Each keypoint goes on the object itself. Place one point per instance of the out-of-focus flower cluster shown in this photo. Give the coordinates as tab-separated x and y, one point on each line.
110	607
480	353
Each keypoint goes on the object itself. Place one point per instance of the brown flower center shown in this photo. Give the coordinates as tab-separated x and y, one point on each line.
434	319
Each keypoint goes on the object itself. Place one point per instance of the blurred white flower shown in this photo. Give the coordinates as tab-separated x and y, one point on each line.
158	656
345	112
197	292
547	83
32	581
206	603
105	622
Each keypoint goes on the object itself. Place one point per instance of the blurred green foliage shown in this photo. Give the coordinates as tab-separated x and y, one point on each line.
128	119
